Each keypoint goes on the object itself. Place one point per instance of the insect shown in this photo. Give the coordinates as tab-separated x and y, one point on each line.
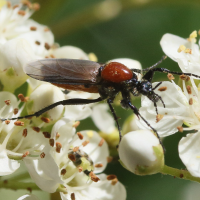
106	79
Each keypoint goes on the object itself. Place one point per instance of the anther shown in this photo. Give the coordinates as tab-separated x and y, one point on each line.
63	172
109	159
93	177
170	76
15	111
76	124
52	56
19	123
47	46
184	77
58	147
57	135
99	165
190	101
73	196
181	48
15	6
42	155
101	142
9	4
36	6
189	89
7	122
21	97
24	134
51	142
72	157
188	51
33	28
193	34
111	177
21	12
80	135
80	169
180	129
161	89
85	142
37	42
45	119
36	129
46	134
29	189
159	117
114	181
75	149
25	154
7	102
46	29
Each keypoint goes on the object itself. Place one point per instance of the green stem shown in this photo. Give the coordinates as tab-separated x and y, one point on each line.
14	185
179	173
19	177
106	10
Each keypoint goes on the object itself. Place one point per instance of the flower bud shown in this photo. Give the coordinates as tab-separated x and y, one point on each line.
141	152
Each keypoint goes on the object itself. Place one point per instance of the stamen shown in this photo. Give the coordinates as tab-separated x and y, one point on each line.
25	154
45	119
80	135
76	124
190	101
109	159
25	132
170	76
7	102
9	4
42	155
15	111
7	122
21	12
85	142
21	97
189	89
73	196
19	123
114	181
80	169
15	6
90	134
198	32
111	177
47	134
52	56
180	129
33	28
36	129
75	149
161	89
193	34
72	157
36	6
188	51
101	142
51	142
181	48
46	29
93	177
37	42
63	172
57	135
184	77
47	46
99	165
58	147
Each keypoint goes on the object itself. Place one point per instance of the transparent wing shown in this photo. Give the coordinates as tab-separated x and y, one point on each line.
64	71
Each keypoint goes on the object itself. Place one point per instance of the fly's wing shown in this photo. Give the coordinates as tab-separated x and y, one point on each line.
64	71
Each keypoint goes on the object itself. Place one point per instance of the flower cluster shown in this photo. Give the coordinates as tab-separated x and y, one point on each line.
57	157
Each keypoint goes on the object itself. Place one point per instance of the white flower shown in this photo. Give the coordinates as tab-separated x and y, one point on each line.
184	51
28	197
141	152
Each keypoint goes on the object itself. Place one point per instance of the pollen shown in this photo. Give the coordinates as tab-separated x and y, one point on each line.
188	51
15	111
63	172
7	102
36	6
21	12
42	155
58	147
80	169
114	181
19	123
73	196
90	134
161	89
45	119
85	142
51	142
111	177
75	149
101	142
46	134
25	132
21	97
180	129
36	129
109	159
7	122
190	101
33	28
170	76
80	135
52	56
189	90
37	42
25	154
47	46
159	117
9	4
184	77
57	135
72	157
46	29
193	34
76	124
99	165
94	178
181	48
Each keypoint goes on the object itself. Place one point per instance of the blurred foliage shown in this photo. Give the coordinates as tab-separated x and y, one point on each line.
131	29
